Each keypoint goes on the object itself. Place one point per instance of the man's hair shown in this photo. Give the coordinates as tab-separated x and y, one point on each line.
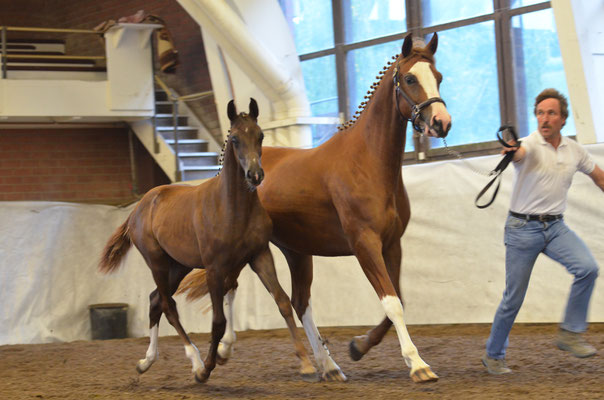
553	94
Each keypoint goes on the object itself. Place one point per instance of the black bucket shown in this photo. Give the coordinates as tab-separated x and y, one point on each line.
109	321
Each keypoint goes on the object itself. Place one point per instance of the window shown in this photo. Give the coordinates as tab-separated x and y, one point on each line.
495	57
467	59
322	91
537	65
311	24
369	19
435	12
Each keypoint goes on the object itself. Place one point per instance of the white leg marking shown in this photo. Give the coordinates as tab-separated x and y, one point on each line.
225	347
152	352
318	347
193	355
394	310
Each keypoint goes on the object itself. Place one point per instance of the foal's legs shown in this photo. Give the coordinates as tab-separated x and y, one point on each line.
300	267
368	249
155	312
167	274
215	281
225	347
263	265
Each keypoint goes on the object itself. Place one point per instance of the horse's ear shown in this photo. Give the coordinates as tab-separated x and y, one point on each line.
253	108
232	110
407	45
433	43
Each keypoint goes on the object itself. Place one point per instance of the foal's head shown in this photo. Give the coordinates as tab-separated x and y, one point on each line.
417	82
246	140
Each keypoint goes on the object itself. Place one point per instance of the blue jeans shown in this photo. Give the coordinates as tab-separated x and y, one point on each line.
524	240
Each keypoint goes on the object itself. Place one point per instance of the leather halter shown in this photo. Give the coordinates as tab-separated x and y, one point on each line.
416	109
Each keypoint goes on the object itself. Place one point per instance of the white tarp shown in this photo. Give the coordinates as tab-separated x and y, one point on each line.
452	272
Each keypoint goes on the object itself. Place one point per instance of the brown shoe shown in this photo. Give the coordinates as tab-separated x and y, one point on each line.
575	343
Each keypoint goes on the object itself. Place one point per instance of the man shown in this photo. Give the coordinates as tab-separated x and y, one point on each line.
545	164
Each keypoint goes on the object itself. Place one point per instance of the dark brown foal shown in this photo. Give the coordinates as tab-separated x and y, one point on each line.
220	226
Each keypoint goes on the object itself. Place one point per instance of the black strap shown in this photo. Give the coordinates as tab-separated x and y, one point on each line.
500	167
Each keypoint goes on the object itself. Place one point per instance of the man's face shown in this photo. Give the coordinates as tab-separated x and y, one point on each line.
549	119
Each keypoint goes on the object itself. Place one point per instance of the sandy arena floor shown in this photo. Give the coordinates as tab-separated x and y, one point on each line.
264	367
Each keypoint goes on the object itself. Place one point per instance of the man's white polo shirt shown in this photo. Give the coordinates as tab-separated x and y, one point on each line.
544	175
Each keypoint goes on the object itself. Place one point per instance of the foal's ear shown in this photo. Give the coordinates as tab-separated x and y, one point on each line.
433	43
253	109
232	110
407	45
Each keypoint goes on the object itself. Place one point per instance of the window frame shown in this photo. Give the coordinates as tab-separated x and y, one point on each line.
501	17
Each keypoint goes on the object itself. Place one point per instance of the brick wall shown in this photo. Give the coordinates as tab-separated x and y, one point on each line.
77	172
81	165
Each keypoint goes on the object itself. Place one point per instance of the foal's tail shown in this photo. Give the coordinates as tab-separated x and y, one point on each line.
195	285
115	249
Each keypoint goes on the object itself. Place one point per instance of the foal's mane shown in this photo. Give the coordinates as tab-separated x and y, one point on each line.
241	115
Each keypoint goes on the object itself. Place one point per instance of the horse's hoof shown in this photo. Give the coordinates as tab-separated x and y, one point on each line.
335	375
354	352
220	360
203	376
311	377
140	368
423	375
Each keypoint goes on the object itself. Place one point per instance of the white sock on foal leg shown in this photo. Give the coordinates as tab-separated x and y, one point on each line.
152	352
193	355
225	347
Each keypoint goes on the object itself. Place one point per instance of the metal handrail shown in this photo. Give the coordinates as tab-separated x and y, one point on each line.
188	97
52	57
49	30
4	57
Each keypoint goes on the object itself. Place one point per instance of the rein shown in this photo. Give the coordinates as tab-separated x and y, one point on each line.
416	109
501	166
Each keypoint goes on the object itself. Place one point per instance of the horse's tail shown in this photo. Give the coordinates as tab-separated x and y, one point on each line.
115	249
195	285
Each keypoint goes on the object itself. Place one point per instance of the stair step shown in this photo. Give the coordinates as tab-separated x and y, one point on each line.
163	107
179	128
167	120
160	95
190	145
184	132
199	159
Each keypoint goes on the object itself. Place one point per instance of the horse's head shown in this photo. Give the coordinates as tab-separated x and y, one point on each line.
246	140
417	81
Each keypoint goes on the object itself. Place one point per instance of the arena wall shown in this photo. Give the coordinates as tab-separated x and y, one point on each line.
452	272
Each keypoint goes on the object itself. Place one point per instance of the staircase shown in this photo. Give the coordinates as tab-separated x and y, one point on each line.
195	160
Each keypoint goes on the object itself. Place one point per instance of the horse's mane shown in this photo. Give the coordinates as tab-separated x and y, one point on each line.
369	95
418	50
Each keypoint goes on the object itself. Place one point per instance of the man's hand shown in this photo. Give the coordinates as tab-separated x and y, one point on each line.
519	151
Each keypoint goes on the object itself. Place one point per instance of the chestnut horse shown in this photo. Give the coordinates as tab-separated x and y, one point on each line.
346	197
219	225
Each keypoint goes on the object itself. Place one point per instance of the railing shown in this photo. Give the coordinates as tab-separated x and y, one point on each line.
4	40
175	99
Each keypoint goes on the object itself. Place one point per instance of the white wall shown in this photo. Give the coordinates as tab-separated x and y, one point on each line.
452	272
580	26
248	57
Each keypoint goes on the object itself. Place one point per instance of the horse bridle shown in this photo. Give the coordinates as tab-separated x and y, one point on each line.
416	109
